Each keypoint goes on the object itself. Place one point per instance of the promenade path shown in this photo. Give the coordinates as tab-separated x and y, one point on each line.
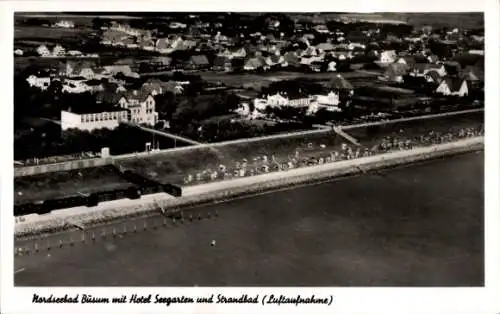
166	134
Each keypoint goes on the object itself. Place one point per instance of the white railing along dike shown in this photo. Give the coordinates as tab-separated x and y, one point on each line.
299	133
20	171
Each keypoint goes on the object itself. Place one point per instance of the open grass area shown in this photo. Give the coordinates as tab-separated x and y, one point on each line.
174	166
49	33
246	80
55	185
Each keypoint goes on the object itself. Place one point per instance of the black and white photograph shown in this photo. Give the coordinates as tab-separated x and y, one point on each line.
249	149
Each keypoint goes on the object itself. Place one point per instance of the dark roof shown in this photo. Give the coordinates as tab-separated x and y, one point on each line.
254	62
421	67
163	60
125	61
291	58
140	94
295	94
78	66
108	96
199	60
454	84
220	61
435	76
339	82
325	46
473	73
96	108
237	62
410	60
275	58
93	82
433	58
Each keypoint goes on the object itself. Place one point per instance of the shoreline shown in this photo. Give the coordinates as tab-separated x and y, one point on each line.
96	162
225	190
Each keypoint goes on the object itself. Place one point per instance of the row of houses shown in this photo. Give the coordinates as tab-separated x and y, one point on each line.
456	85
57	52
76	74
299	99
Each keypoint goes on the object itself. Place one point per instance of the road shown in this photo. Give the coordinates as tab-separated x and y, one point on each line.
166	134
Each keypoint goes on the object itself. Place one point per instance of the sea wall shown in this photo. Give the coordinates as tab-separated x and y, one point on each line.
62	166
223	190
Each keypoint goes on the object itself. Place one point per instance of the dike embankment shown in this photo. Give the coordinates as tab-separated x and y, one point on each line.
225	190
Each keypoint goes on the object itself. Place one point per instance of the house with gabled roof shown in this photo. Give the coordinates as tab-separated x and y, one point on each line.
222	63
291	59
253	64
43	51
239	52
325	47
58	51
453	87
433	77
80	68
395	72
141	105
421	69
433	59
473	74
387	56
339	83
198	62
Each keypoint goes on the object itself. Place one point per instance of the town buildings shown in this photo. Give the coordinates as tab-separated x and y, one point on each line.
136	107
89	121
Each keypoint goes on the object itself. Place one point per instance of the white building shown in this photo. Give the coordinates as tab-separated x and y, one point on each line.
74	53
18	52
330	102
453	87
75	86
133	107
65	24
40	82
477	52
92	121
332	66
141	106
58	51
43	51
278	100
388	56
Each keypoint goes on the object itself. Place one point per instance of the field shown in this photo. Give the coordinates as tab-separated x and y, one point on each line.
40	33
257	80
174	166
55	185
